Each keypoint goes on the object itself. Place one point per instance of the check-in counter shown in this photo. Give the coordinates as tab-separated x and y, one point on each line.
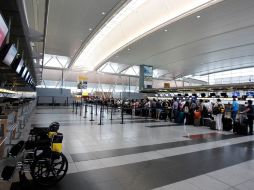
3	133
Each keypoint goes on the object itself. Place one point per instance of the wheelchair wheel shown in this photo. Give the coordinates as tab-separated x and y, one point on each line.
49	169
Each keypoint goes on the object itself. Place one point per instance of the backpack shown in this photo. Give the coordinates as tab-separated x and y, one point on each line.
216	110
186	109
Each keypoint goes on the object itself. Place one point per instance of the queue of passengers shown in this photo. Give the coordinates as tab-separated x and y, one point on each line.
188	112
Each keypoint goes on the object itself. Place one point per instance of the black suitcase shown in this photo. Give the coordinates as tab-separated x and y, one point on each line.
227	124
163	115
240	128
213	125
207	122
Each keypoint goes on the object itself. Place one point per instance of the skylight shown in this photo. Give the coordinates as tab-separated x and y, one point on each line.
128	26
56	61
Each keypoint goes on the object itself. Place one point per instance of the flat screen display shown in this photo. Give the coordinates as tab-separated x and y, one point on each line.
10	55
3	30
24	73
250	93
148	71
212	94
20	65
223	94
27	76
236	93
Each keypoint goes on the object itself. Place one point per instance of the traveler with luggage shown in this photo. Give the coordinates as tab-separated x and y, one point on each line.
193	107
158	109
175	109
249	112
235	108
186	110
197	117
218	111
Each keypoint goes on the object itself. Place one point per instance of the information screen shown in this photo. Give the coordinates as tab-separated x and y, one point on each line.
236	93
9	57
20	65
24	73
148	71
3	30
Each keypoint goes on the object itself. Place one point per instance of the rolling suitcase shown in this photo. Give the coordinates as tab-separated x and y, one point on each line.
207	122
180	118
213	125
240	128
163	115
196	122
227	124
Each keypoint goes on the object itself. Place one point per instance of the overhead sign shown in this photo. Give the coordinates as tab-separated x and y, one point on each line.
82	83
148	73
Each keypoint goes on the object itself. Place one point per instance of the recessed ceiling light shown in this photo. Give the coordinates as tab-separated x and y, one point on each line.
165	30
129	49
103	13
90	29
198	16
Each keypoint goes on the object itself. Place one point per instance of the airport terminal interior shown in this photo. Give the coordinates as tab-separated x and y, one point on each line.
126	94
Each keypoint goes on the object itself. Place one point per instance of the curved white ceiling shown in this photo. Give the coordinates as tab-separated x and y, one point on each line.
137	19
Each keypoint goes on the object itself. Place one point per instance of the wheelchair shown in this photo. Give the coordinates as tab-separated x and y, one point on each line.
41	155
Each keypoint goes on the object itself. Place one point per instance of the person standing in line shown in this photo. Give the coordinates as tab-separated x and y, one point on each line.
249	112
235	108
175	109
218	118
186	109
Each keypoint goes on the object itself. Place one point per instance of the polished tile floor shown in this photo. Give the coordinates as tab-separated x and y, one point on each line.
146	154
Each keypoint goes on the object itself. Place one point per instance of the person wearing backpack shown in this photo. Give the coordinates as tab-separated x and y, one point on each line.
218	111
186	110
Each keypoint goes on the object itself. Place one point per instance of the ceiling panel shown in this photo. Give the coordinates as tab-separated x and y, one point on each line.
69	23
223	31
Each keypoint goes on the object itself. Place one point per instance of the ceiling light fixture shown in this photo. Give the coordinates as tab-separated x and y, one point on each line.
165	30
99	48
129	49
103	13
90	29
198	16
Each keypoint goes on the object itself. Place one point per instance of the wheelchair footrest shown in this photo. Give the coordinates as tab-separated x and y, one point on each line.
8	172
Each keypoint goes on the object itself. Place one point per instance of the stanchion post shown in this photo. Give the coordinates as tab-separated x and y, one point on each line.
96	108
81	109
85	111
91	114
100	117
73	107
122	115
102	110
76	107
111	118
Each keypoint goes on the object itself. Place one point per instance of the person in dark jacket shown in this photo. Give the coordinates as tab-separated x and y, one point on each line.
249	112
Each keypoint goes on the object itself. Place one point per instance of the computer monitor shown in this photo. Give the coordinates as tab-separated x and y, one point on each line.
3	30
8	54
24	72
18	64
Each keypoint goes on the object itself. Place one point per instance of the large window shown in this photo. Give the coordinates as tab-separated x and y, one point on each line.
227	77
